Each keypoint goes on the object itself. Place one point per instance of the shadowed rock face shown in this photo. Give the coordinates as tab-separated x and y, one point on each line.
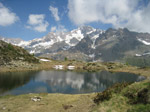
112	45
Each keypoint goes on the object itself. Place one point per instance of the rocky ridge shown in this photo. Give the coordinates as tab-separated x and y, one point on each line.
89	44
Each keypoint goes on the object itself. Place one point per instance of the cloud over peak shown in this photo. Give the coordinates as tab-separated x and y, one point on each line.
37	22
6	16
59	28
119	13
54	12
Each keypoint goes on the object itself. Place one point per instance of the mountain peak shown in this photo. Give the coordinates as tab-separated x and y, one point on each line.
107	45
85	27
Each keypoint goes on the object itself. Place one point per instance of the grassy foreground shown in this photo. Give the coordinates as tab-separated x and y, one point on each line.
48	103
130	98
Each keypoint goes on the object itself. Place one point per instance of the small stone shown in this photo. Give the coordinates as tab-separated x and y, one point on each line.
4	108
35	99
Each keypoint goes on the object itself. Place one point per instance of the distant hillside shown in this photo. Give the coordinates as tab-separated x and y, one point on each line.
9	52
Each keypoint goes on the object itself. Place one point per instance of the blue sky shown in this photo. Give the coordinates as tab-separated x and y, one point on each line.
29	19
23	8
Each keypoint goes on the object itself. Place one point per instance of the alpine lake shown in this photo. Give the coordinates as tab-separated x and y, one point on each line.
67	82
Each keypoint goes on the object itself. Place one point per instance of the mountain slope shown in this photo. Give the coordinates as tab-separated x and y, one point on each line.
90	44
10	52
54	42
114	45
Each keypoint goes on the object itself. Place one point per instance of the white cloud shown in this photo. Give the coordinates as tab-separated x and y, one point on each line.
6	16
41	27
59	28
36	19
37	22
119	13
54	12
53	28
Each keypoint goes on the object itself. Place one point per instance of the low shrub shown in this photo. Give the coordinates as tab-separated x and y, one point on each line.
140	97
107	94
100	97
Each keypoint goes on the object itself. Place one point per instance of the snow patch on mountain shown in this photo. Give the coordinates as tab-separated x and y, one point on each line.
91	31
66	48
94	40
46	60
56	40
138	55
32	51
44	44
23	43
74	34
148	53
91	55
144	54
59	38
144	42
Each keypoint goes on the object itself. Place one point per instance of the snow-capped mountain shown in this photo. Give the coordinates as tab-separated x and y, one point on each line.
14	41
54	42
87	43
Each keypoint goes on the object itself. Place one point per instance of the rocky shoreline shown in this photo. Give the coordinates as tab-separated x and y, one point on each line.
14	66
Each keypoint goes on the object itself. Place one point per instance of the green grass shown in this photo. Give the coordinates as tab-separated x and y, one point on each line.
140	108
120	102
117	102
10	52
48	103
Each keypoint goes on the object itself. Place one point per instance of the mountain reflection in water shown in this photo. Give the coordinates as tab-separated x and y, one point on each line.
61	82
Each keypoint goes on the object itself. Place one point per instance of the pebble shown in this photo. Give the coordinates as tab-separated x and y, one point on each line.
35	99
4	108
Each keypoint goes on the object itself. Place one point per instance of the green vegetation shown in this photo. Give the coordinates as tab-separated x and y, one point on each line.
138	61
123	97
138	95
10	52
48	103
66	59
93	67
107	94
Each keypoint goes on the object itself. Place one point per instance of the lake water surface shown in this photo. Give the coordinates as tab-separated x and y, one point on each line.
61	82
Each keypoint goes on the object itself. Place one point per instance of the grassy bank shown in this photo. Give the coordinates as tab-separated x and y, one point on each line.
24	66
132	69
130	98
79	66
